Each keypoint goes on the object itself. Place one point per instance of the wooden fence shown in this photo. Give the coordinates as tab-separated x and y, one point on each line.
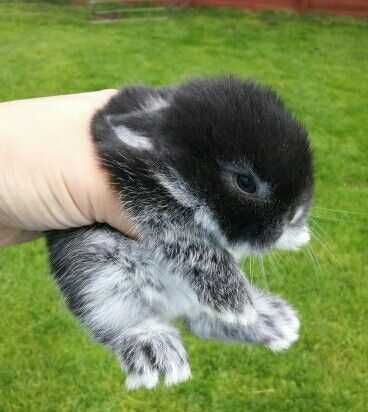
347	7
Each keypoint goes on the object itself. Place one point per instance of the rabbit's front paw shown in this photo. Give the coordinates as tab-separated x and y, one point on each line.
161	355
277	325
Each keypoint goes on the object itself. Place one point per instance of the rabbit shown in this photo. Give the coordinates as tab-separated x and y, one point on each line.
207	170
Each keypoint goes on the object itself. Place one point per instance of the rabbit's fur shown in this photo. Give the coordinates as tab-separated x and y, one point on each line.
175	156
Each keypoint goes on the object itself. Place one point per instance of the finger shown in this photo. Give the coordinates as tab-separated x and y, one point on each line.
119	219
10	236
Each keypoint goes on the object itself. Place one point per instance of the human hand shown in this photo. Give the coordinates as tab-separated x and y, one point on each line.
49	174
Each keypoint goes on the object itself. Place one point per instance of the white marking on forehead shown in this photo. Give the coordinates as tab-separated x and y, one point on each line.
154	103
132	139
298	214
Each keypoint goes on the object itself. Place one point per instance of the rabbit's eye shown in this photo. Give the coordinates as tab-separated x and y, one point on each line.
246	183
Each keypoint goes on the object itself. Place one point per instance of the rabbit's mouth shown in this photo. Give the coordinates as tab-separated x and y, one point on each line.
292	237
242	251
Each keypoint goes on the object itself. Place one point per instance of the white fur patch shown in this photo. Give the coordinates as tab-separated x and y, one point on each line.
154	103
178	190
206	220
177	374
293	238
147	380
284	330
132	139
108	300
248	317
298	214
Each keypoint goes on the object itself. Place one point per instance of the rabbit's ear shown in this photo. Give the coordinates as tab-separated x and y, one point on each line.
131	129
137	129
131	119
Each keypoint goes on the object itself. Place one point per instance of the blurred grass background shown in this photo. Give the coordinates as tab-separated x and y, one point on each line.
320	67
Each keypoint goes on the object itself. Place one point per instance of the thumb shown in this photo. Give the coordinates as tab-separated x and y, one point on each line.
118	218
107	208
13	236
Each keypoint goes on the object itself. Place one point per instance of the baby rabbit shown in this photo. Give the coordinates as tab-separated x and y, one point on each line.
206	169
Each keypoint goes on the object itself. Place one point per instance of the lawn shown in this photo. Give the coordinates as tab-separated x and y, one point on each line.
320	67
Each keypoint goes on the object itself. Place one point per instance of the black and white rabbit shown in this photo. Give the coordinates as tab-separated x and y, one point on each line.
206	170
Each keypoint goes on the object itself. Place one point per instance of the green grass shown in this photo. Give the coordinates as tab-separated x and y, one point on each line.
320	67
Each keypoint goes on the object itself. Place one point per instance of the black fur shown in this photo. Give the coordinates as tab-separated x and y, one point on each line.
208	126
